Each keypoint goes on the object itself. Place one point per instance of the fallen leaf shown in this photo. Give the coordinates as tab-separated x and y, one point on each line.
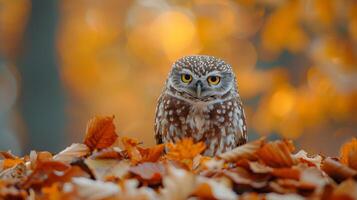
52	192
348	153
131	146
277	154
72	152
246	151
311	161
103	169
100	133
289	173
15	174
184	151
243	178
337	170
131	191
151	172
151	154
346	190
275	196
178	185
211	189
109	153
95	189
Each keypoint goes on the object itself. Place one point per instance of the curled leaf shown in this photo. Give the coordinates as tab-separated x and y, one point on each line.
246	151
100	133
72	152
277	154
337	170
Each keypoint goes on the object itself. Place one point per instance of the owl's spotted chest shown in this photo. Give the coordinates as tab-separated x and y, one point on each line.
216	124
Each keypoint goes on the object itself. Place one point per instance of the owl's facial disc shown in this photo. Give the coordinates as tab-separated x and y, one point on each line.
215	83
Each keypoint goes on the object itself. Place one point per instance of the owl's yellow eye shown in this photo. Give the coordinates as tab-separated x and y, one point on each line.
186	78
213	80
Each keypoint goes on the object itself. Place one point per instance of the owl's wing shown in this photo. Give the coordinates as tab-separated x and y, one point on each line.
158	119
242	130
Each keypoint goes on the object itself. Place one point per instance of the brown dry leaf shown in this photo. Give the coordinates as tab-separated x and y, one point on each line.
95	189
346	190
246	151
184	151
9	163
151	172
131	146
212	189
178	185
131	191
109	153
16	174
314	176
100	133
291	186
301	156
104	169
254	166
151	154
348	153
289	173
243	178
337	170
277	154
47	172
72	152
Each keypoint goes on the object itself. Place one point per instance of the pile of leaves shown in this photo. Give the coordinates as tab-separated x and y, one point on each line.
106	166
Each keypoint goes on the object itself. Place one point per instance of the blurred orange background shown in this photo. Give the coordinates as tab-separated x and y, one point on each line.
62	62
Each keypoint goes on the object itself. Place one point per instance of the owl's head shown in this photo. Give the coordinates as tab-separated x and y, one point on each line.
201	77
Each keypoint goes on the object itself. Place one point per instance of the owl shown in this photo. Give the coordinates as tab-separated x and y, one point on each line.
201	100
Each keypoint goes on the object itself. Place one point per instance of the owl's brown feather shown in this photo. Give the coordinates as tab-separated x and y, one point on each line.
219	121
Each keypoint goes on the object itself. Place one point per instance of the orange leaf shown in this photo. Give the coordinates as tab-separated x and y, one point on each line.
52	192
151	154
184	151
130	146
288	173
277	154
8	163
348	153
100	133
336	170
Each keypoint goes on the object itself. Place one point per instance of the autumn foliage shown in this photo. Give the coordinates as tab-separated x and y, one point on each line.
107	166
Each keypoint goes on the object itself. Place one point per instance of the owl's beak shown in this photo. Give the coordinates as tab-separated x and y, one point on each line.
198	88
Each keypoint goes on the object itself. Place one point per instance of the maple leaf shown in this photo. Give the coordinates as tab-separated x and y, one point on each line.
100	133
184	151
348	153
